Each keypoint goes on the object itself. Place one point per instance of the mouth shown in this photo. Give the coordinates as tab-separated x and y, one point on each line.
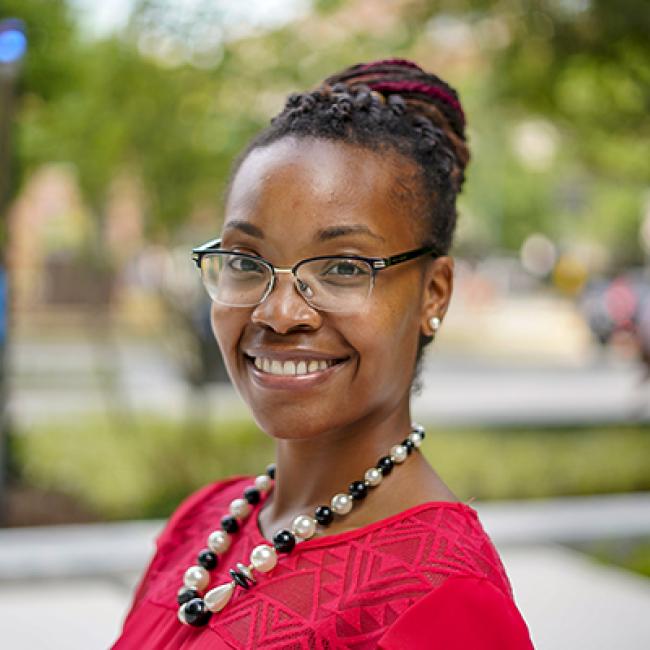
297	367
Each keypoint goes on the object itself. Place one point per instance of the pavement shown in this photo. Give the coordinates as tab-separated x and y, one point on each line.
68	587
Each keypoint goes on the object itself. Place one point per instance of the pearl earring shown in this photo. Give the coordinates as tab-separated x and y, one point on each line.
434	323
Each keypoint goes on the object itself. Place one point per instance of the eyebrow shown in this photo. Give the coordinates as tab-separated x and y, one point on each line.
339	231
244	226
325	234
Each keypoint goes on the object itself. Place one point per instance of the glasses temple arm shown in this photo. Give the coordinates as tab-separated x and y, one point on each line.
404	257
197	252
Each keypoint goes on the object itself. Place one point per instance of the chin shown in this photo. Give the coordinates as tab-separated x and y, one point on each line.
291	422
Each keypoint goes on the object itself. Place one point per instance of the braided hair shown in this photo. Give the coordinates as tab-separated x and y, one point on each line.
383	105
388	104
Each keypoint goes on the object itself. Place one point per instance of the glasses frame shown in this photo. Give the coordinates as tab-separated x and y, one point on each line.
376	264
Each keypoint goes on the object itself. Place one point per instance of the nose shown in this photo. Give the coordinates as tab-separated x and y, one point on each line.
284	310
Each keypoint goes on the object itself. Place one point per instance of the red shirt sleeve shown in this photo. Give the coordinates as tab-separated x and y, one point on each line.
463	614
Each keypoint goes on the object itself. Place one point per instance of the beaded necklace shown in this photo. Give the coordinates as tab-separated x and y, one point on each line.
197	607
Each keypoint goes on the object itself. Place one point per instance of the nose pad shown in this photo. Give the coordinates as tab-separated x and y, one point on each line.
304	289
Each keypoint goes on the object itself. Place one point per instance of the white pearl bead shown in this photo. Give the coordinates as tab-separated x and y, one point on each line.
264	558
417	428
263	483
196	577
341	503
415	438
303	527
373	476
219	541
216	599
239	508
398	453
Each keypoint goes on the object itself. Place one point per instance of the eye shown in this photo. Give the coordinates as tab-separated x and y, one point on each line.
346	269
245	265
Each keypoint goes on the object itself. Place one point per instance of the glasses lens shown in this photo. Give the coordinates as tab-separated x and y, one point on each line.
234	279
336	283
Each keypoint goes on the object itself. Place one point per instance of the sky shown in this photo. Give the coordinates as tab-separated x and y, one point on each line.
103	18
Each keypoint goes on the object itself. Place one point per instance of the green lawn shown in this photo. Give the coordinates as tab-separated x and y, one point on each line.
143	468
633	555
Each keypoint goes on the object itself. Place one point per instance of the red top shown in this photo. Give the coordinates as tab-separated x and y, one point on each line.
428	577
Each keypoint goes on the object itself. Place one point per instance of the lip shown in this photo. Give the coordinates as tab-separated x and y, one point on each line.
294	382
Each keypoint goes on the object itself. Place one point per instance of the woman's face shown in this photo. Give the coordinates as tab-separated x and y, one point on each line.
301	198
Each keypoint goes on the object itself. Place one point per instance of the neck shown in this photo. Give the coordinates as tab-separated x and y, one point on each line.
309	472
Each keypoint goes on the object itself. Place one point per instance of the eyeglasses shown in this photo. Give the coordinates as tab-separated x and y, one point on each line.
334	283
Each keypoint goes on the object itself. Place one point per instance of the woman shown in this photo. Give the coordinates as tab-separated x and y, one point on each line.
330	277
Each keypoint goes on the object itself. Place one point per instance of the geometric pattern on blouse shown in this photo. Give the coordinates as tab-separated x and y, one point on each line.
351	586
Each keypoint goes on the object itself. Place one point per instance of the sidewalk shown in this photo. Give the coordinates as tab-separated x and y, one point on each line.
68	587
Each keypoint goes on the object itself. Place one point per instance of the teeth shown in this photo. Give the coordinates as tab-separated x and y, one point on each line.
290	368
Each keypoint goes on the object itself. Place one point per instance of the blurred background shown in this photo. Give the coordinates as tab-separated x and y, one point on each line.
118	124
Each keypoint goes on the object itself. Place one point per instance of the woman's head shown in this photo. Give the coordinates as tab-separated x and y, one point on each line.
369	164
390	105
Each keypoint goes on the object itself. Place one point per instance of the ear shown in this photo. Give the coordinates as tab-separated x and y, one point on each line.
437	289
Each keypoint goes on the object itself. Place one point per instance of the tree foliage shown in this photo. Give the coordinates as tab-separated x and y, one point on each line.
176	122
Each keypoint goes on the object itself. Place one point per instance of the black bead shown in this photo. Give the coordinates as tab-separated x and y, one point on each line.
284	541
240	579
270	471
186	594
252	495
229	524
385	465
422	434
324	515
339	87
409	444
207	559
197	612
358	490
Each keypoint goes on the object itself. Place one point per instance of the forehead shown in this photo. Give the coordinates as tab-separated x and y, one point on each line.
308	184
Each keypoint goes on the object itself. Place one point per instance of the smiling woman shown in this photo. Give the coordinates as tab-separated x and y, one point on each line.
330	277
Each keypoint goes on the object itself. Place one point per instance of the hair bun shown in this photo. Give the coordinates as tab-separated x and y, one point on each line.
410	91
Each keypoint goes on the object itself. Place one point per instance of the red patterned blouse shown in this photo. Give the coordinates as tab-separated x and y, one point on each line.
428	577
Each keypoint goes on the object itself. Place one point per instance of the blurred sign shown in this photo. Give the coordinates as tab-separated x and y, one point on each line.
13	42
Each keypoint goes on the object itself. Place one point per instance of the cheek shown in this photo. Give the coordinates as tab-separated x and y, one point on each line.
227	327
386	335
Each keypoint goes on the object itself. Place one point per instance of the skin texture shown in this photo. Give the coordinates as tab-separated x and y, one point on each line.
281	200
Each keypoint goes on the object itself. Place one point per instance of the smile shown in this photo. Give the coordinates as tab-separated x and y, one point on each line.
292	367
293	371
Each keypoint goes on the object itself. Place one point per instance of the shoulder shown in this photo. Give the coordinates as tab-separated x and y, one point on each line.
208	501
457	545
196	512
464	612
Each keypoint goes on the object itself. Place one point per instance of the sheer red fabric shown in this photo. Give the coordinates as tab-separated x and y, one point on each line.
428	577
